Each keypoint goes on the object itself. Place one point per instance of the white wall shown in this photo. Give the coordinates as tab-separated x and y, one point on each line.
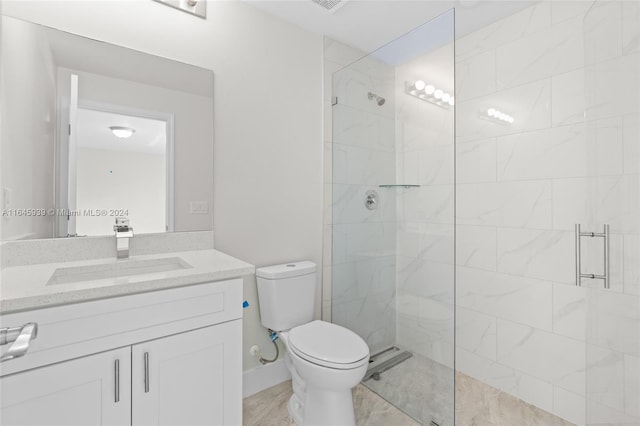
522	324
110	179
267	118
28	122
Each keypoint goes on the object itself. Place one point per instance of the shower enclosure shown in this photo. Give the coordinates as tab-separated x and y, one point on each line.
487	245
393	217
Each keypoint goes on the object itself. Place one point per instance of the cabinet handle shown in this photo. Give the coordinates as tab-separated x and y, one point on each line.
117	379
21	337
146	372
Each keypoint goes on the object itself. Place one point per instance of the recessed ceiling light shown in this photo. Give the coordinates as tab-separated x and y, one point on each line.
122	132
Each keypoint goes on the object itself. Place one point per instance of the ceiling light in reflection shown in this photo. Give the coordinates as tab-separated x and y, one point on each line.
438	94
497	116
429	90
420	85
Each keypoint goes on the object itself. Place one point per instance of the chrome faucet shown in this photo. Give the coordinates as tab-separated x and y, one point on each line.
123	233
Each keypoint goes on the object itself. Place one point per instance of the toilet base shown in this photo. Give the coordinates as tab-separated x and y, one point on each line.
328	408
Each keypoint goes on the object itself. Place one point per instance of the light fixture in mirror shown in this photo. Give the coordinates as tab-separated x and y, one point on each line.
122	132
68	104
194	7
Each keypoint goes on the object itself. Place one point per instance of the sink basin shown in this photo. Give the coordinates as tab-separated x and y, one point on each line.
121	268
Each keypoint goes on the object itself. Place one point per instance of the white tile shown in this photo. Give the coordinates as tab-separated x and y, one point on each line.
426	279
516	204
631	143
529	104
415	133
407	167
631	264
436	325
603	32
562	10
630	27
569	405
567	151
547	356
339	162
476	332
436	242
476	161
476	76
545	255
614	321
356	127
528	21
369	166
569	311
407	235
361	241
598	200
436	165
524	300
605	377
612	87
632	385
600	414
540	55
476	247
568	98
432	204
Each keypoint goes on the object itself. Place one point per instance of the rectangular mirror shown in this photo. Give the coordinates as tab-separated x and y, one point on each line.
92	131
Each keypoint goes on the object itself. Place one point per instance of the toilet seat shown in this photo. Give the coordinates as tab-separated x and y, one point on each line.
328	345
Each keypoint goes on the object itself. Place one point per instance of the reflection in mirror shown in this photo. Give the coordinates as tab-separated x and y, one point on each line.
93	131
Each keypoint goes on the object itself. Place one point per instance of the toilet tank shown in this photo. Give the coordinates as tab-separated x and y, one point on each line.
287	294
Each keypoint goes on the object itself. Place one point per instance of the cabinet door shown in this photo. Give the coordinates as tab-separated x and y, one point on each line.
80	392
192	378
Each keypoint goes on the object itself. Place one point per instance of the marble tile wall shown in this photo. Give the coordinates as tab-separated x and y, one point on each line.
568	72
425	230
359	261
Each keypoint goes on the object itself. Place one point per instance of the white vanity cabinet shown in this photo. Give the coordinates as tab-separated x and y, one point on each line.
170	357
79	392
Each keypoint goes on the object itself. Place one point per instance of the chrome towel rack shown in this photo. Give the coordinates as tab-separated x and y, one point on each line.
605	237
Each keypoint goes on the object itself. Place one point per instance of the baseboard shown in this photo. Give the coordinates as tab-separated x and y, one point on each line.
263	377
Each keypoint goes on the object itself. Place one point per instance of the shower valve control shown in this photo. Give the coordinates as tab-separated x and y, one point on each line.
371	200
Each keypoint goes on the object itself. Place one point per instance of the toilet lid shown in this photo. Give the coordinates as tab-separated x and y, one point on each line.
328	344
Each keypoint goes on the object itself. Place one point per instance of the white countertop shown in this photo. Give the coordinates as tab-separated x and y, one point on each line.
26	287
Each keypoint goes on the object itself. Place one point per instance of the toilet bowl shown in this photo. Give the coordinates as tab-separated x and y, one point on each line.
325	360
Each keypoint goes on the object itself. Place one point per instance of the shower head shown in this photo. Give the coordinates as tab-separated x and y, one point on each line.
379	99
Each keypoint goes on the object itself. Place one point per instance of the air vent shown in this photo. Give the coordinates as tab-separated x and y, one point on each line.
330	5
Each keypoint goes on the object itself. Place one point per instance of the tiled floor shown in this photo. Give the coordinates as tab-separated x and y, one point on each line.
269	408
424	390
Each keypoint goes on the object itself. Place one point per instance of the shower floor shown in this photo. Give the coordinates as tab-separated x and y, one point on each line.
421	388
424	390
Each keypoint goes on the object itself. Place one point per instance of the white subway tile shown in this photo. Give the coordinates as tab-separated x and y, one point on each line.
524	300
476	161
610	86
632	385
540	55
569	311
476	247
436	242
515	204
476	76
631	143
630	27
614	321
631	264
569	405
603	32
476	332
568	98
545	255
605	377
547	356
436	165
598	200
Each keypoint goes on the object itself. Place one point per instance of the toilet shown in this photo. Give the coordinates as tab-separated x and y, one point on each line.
325	360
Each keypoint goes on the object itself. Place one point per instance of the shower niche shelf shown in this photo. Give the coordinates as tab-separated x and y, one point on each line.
405	186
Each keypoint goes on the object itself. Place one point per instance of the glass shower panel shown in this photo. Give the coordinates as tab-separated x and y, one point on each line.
393	216
610	193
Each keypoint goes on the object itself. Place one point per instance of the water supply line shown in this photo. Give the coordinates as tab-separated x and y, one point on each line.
273	336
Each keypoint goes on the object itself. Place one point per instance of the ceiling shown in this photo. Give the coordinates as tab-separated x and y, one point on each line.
370	24
94	133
